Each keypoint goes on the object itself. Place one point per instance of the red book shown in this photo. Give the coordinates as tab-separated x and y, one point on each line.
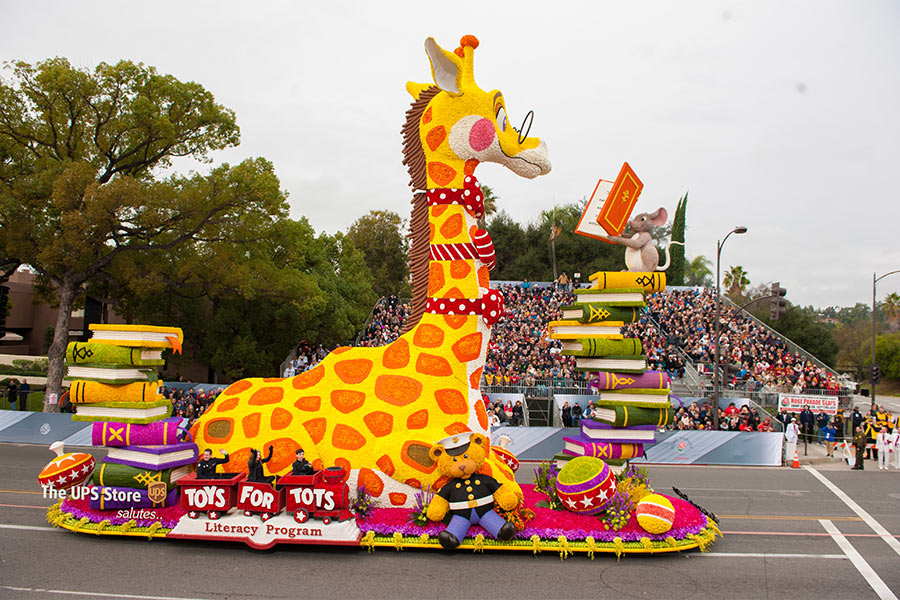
620	202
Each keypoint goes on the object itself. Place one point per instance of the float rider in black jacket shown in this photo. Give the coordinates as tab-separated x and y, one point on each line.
255	467
206	468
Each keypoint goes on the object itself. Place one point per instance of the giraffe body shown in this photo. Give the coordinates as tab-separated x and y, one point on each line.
378	411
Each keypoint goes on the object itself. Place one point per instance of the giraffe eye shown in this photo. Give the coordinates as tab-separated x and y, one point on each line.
501	118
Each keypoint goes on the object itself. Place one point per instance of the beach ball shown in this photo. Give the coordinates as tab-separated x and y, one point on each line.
586	485
67	469
655	513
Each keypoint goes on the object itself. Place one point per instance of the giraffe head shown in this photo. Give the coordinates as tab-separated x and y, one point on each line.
464	125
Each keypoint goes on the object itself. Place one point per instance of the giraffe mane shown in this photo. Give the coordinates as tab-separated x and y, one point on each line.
414	159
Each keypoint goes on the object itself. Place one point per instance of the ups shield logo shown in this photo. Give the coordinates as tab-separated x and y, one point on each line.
156	491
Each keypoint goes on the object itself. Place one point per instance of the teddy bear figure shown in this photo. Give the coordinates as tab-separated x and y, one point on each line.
469	496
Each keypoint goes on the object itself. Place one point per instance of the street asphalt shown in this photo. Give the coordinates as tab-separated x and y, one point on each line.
819	532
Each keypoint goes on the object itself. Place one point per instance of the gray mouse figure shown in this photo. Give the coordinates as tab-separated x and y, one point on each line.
641	254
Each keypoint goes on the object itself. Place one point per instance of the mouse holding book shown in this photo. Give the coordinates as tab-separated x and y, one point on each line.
641	254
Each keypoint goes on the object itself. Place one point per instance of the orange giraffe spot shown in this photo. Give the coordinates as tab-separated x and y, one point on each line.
237	461
413	482
452	402
379	423
440	482
195	429
438	209
415	454
273	379
435	278
347	401
284	454
467	348
472	231
372	482
310	403
309	378
428	336
397	355
237	387
340	349
353	371
431	231
484	278
481	414
316	429
227	404
455	321
344	464
469	168
271	395
455	428
218	431
454	293
280	418
398	390
436	137
426	117
440	173
417	420
386	465
475	378
453	226
347	438
318	465
429	364
397	498
487	470
459	269
250	423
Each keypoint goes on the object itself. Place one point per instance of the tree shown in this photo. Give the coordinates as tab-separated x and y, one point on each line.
735	280
490	204
380	235
887	349
698	272
801	326
891	309
77	186
676	275
854	342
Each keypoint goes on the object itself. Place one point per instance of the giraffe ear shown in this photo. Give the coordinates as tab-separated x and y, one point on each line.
478	438
446	67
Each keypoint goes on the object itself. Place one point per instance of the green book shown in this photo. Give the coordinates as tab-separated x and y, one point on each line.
78	353
616	363
611	297
625	415
124	412
595	312
602	347
116	475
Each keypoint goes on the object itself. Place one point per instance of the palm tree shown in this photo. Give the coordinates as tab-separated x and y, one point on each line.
736	280
891	308
490	204
698	271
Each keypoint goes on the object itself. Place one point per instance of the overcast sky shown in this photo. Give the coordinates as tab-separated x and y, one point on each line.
781	116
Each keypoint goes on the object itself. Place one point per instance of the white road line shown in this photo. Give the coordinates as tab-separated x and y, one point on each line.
877	527
25	527
705	489
868	573
767	555
93	594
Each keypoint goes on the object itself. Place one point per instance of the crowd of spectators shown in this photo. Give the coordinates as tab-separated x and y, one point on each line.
763	361
699	416
191	402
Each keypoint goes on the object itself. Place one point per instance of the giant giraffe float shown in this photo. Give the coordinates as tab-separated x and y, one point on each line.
377	411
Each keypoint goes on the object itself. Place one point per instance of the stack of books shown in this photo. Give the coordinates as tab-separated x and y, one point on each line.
142	464
114	374
115	385
633	402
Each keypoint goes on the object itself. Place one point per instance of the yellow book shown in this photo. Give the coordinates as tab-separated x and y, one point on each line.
138	336
609	280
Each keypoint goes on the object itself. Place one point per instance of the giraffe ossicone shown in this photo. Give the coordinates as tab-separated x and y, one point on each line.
378	411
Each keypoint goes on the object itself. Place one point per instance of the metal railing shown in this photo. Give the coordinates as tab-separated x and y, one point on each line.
541	388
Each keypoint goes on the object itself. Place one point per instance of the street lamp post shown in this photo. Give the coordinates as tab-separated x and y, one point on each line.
715	408
872	367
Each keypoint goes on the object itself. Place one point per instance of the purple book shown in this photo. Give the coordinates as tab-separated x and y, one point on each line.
165	432
115	498
652	380
581	446
634	434
155	458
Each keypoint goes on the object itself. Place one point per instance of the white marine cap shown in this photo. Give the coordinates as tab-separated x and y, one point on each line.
457	444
